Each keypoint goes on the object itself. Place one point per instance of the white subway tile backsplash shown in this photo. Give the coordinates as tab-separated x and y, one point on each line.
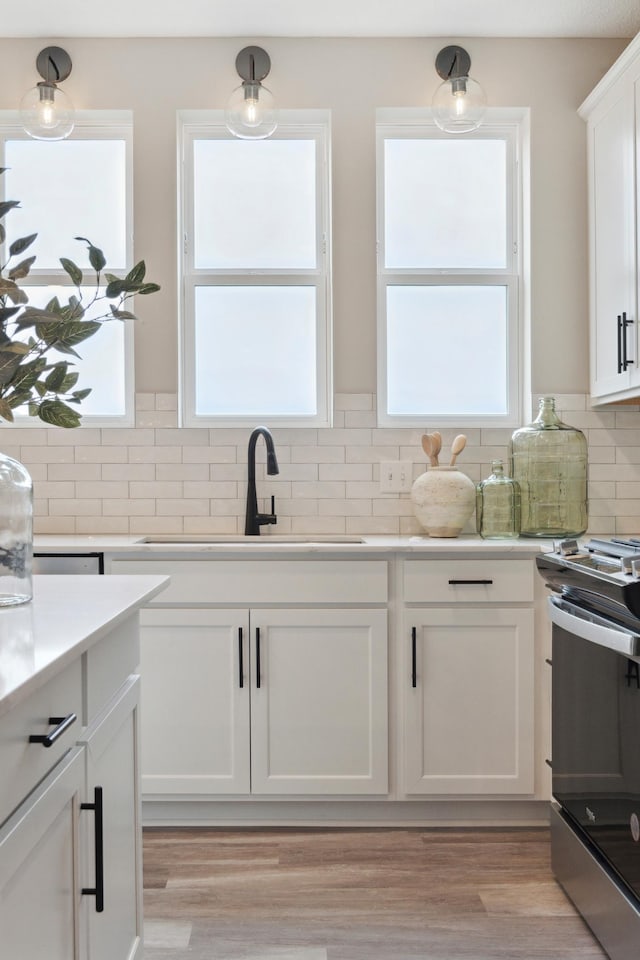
157	478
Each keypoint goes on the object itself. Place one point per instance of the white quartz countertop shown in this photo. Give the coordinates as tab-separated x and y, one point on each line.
67	615
284	544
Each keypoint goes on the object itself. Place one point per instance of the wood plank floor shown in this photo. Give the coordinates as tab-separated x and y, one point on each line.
363	894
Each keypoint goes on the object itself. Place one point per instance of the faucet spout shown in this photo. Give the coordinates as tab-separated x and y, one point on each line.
254	520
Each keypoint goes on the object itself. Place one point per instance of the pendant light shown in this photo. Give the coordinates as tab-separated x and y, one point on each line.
251	113
459	103
46	112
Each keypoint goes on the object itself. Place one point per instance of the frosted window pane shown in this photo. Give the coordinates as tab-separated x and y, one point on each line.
445	203
255	204
102	358
446	350
255	350
67	189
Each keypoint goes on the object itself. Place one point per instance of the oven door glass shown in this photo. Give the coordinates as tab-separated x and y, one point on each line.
596	747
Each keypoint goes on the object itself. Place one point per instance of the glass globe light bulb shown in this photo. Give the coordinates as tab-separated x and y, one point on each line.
250	113
47	113
459	105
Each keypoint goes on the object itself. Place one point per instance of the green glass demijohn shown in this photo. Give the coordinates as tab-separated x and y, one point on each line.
498	505
549	461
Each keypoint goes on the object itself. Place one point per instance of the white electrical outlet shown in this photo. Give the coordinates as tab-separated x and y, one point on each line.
396	476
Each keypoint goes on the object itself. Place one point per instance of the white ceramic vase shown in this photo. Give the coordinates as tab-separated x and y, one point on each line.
443	500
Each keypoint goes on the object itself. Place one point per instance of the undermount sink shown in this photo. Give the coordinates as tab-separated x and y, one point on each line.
239	538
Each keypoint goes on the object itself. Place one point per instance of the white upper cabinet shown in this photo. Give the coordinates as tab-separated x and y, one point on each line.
612	113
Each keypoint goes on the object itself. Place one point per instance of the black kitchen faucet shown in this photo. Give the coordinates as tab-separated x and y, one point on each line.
254	520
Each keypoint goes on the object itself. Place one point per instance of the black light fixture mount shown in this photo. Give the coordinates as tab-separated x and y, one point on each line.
46	111
459	103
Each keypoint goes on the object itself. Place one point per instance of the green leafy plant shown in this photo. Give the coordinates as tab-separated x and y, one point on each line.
29	378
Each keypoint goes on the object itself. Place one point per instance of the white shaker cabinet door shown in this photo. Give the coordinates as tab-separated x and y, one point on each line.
319	702
39	896
468	682
195	702
613	270
112	864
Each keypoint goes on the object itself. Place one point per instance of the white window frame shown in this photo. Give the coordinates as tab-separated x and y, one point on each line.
293	124
89	125
512	126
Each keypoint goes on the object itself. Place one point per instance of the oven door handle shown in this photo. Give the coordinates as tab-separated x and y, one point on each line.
589	626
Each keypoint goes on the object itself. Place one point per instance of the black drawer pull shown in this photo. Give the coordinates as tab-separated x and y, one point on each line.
258	657
459	583
414	659
61	725
98	890
240	658
548	763
549	661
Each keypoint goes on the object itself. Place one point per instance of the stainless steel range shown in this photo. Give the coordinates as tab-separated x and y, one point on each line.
595	818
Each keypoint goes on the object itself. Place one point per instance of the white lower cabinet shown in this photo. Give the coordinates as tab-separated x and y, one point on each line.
111	829
39	898
467	669
264	702
468	702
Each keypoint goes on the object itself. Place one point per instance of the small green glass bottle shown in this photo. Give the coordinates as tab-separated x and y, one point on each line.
498	505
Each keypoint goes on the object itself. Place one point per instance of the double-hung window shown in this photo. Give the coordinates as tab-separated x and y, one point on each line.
450	297
78	187
255	272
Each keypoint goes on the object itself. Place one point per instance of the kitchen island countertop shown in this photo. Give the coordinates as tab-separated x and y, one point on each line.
67	615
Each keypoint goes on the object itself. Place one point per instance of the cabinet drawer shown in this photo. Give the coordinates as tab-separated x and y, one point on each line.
109	664
24	764
468	581
250	582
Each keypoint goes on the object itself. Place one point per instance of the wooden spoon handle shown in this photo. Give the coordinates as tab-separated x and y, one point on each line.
457	447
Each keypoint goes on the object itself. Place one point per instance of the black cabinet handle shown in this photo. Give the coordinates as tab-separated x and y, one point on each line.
619	319
258	657
98	890
625	323
547	660
458	583
548	763
414	658
62	724
240	659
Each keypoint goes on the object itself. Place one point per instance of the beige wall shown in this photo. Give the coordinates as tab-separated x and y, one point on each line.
154	78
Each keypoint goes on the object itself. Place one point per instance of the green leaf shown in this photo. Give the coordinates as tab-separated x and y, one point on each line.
68	334
6	313
122	314
6	286
56	378
21	270
19	246
7	205
74	271
5	411
3	233
81	394
17	296
69	381
148	288
136	274
115	289
9	363
96	256
58	414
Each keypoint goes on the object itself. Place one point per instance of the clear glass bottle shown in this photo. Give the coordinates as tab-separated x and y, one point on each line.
549	461
498	505
16	532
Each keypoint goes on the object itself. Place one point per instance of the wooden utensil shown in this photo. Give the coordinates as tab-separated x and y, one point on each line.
437	444
458	445
428	447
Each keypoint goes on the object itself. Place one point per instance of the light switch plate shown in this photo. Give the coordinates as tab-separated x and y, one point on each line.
396	476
